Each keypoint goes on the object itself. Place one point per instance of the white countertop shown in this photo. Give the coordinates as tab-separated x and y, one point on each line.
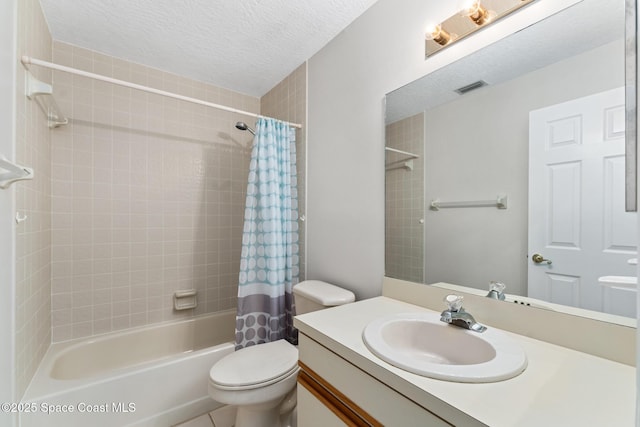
560	387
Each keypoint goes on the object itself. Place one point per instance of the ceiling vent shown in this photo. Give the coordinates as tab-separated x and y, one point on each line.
470	87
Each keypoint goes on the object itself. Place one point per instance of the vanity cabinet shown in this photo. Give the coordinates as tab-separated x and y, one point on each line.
343	383
314	412
334	392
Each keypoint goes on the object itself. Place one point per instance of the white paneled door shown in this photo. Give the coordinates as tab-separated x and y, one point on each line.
578	227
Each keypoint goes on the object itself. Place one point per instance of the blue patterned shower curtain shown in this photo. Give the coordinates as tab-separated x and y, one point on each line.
269	260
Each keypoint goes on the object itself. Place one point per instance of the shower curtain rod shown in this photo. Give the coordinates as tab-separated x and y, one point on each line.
27	60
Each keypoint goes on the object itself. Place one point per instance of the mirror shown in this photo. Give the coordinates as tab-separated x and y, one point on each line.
473	147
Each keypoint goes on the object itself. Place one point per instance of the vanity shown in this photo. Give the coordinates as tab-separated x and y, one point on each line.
343	383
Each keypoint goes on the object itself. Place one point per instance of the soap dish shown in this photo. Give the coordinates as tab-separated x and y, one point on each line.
185	300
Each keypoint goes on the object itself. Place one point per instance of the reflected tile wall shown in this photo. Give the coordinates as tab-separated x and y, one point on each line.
147	197
404	201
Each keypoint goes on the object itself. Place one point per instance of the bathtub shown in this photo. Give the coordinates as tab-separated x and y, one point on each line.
150	376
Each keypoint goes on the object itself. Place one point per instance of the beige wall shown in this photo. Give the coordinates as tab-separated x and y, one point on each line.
288	101
404	200
33	237
148	197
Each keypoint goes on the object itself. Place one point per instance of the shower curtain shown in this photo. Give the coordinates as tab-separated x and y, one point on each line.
269	260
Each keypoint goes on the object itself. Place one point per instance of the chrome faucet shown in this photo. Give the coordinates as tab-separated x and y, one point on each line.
456	315
496	291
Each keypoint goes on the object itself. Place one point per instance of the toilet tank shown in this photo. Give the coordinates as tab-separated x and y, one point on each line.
313	295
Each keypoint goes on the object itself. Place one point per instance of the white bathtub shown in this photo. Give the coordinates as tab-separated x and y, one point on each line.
150	376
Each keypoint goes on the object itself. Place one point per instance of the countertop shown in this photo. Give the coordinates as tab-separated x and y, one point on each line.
560	386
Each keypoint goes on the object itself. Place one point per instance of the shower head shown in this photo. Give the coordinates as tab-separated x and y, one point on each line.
243	126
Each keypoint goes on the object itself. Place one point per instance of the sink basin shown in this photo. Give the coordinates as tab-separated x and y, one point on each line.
420	343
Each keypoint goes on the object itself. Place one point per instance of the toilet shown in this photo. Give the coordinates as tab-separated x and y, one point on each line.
261	380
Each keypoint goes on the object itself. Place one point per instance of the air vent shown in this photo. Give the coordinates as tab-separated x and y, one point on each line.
472	86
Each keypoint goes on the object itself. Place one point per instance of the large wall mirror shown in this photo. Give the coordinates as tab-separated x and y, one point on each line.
528	159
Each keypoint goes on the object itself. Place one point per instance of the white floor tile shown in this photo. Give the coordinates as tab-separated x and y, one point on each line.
201	421
224	417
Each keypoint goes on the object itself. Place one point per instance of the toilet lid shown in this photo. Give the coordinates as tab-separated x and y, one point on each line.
257	365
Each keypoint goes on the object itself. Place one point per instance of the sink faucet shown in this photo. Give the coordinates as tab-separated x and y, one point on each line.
456	315
496	291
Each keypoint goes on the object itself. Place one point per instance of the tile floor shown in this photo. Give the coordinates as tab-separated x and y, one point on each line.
221	417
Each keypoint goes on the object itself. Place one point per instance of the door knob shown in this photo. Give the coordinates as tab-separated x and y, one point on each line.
539	259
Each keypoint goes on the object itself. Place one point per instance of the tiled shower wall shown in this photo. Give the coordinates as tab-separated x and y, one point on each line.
147	197
33	236
288	101
404	201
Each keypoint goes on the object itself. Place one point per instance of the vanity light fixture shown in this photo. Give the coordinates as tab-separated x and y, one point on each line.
474	15
438	35
478	13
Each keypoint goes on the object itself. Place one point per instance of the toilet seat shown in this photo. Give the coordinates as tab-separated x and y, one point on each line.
255	367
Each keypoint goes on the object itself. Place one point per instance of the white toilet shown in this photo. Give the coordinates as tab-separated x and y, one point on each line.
261	380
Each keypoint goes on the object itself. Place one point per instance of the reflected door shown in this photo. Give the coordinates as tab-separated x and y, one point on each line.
577	222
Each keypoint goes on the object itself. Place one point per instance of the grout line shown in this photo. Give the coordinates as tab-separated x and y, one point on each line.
213	423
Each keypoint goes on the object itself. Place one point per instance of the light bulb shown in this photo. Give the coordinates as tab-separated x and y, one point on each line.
478	13
438	35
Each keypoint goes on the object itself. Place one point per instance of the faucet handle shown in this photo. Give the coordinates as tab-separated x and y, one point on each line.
496	290
497	286
454	302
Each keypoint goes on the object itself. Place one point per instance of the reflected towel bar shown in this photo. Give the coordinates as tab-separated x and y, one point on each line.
499	202
408	166
406	153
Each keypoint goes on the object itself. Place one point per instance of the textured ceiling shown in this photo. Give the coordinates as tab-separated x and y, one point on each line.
245	45
584	26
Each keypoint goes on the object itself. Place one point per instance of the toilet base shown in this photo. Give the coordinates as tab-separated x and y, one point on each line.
270	414
264	415
258	416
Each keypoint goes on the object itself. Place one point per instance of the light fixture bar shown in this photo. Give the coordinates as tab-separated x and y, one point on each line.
476	15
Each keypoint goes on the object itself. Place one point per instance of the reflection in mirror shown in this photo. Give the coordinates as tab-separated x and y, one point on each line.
552	106
404	196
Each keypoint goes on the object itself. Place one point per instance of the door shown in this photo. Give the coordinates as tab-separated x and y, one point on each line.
577	221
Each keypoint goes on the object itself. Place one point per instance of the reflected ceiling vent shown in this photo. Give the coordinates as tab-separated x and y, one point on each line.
472	86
